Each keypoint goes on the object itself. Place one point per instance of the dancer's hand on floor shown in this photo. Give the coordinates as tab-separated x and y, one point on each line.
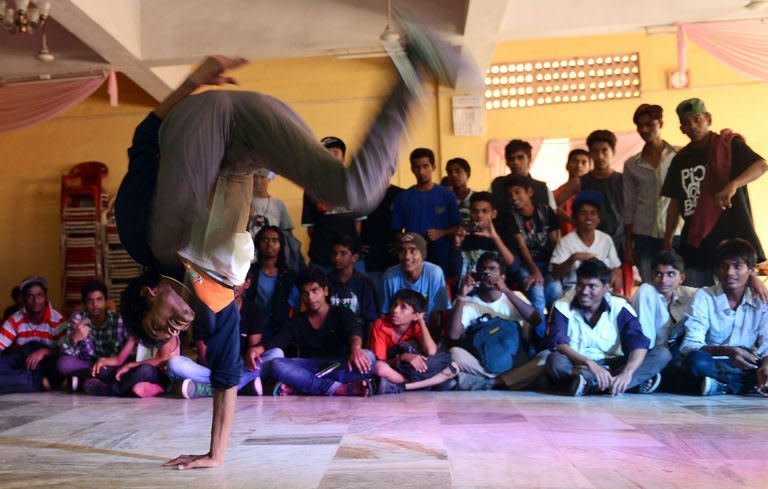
211	70
183	462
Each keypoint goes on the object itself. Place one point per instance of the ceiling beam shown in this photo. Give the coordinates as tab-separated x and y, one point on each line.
113	31
482	28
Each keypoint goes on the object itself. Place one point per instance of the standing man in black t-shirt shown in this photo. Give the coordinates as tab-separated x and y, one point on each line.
604	180
517	154
706	184
325	223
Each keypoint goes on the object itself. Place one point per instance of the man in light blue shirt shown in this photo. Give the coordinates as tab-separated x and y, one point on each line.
726	340
661	307
415	274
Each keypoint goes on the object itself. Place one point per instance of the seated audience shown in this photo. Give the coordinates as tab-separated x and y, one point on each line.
415	274
707	185
272	282
478	236
406	355
457	172
17	303
645	211
265	209
578	165
94	333
537	231
427	208
661	307
29	342
726	332
584	243
518	154
193	379
484	296
332	360
350	288
597	342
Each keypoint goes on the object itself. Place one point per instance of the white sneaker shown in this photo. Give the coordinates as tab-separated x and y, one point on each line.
712	387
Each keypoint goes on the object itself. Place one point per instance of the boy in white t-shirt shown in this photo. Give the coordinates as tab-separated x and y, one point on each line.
584	243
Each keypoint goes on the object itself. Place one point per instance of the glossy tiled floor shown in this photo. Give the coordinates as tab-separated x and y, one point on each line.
483	440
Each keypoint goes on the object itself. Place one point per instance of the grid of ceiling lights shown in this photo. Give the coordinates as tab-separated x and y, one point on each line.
562	81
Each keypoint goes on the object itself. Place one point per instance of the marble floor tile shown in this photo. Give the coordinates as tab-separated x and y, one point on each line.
471	440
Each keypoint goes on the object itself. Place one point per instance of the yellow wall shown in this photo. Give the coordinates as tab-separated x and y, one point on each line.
339	97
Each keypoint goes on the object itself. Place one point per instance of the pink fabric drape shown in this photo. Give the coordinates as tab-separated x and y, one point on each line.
496	161
742	45
28	104
682	49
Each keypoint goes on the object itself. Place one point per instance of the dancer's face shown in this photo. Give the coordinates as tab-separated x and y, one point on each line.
337	153
422	169
168	315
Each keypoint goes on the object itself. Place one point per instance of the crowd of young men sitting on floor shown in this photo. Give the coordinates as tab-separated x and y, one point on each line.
530	309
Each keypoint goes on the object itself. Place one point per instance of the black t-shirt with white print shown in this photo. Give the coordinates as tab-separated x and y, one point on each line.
683	183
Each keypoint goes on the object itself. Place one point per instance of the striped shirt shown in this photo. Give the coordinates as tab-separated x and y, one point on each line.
19	330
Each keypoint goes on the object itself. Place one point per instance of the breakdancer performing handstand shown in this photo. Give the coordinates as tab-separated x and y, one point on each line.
183	206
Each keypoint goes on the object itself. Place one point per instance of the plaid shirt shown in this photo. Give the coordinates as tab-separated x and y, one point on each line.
100	342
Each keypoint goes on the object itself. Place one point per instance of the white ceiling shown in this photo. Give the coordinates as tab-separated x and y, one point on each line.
154	42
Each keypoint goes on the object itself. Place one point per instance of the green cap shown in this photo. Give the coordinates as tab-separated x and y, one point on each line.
690	107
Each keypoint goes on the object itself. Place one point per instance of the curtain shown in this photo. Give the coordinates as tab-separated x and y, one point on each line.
742	45
24	105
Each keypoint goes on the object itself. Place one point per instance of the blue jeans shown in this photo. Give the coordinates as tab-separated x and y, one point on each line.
541	296
299	373
700	364
180	368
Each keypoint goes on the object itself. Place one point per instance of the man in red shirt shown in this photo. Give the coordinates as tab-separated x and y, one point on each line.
29	341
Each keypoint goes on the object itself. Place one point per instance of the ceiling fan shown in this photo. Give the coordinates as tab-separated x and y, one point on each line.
389	39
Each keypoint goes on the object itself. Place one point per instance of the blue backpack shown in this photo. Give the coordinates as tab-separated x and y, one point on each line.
495	342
